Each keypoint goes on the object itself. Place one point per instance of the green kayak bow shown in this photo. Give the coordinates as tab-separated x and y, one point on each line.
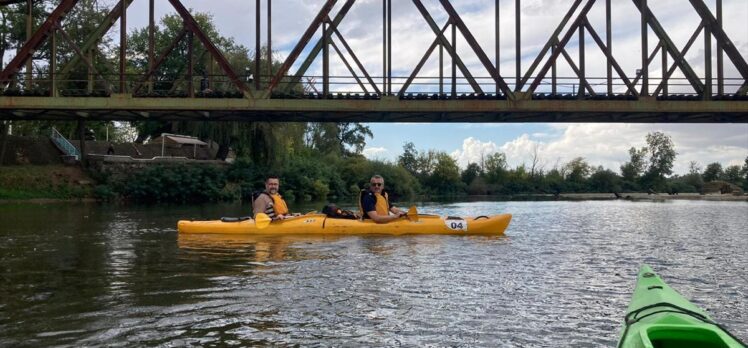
659	317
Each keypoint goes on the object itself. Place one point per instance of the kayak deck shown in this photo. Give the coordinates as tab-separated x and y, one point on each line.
659	317
321	224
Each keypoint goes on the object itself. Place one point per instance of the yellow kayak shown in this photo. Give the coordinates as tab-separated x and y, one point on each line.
311	224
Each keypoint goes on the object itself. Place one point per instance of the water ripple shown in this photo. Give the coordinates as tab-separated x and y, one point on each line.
562	276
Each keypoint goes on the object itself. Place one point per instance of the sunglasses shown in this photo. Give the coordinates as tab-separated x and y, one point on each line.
377	184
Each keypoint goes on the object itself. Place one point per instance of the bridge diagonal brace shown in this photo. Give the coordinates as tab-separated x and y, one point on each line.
576	70
423	60
551	41
318	47
347	65
721	36
192	25
743	90
94	38
650	59
463	68
355	59
182	33
693	79
682	54
457	21
321	16
613	61
36	40
582	16
82	56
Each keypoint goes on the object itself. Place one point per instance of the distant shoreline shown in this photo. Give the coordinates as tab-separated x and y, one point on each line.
643	196
635	197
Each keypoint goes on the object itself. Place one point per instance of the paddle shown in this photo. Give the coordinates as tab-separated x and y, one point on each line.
412	214
262	220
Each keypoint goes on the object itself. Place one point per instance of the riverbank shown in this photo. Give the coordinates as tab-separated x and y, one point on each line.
61	183
45	183
643	196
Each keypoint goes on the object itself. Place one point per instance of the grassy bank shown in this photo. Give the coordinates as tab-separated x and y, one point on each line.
44	182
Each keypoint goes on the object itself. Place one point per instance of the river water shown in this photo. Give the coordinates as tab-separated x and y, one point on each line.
93	275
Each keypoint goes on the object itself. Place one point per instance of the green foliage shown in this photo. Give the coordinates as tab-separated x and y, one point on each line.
343	138
398	181
733	175
45	182
104	193
477	186
174	184
661	157
409	158
632	170
308	178
713	172
470	173
445	178
495	168
605	180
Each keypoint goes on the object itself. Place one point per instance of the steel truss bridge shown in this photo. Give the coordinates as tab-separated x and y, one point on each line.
480	94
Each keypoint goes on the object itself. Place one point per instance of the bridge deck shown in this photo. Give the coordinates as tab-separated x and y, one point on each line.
385	109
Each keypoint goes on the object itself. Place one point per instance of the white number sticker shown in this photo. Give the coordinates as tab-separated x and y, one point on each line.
456	224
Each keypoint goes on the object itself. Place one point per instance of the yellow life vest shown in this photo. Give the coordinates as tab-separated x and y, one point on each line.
382	204
279	205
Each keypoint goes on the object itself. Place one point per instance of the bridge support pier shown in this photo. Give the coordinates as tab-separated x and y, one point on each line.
4	125
82	137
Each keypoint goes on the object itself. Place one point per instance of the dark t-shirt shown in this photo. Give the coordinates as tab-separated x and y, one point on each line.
369	203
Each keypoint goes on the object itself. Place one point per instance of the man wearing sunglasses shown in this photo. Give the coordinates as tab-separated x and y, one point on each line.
375	203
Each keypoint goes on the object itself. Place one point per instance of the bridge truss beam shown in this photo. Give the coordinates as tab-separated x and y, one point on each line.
494	100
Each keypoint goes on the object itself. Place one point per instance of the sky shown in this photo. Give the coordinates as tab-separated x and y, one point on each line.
556	143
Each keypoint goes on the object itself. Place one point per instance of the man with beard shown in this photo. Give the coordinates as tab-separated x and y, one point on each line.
270	202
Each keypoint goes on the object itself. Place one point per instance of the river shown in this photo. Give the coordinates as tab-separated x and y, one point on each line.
109	275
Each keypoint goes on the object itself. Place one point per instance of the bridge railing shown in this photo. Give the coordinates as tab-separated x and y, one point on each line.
220	86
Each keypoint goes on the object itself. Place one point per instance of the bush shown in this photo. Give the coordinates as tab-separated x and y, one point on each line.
175	184
320	189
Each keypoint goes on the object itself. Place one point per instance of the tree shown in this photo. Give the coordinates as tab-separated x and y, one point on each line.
632	170
661	154
577	170
732	175
409	158
535	167
693	178
445	179
13	27
713	172
472	171
169	77
605	180
342	138
495	167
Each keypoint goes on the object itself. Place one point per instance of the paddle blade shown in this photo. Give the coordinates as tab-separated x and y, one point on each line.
413	214
262	220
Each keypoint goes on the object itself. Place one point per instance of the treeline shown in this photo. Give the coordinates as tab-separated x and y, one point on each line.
338	173
649	169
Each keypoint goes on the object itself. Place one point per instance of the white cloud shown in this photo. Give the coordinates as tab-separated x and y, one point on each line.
608	144
472	151
375	152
